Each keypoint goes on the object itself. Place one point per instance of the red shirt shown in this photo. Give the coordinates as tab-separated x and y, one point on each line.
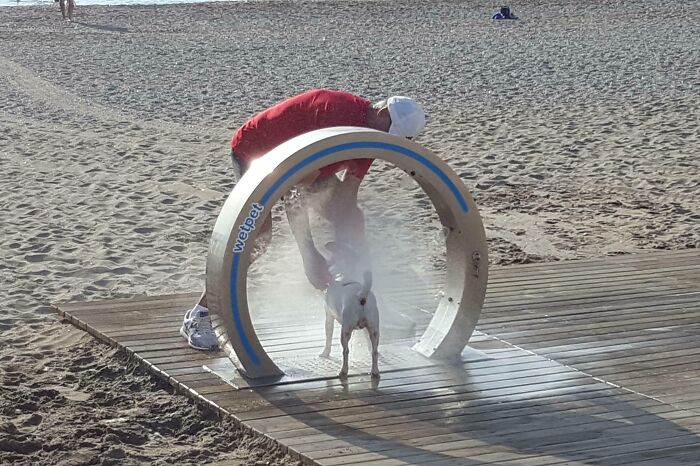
316	109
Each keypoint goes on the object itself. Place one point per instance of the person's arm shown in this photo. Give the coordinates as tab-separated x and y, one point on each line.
297	210
348	219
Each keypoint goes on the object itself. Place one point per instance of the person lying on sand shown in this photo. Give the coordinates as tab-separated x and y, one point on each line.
504	13
311	110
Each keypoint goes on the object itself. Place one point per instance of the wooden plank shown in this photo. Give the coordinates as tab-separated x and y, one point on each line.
630	321
600	294
619	280
650	352
289	399
587	342
539	330
492	317
689	369
646	445
396	413
401	421
120	304
457	432
547	433
557	325
642	369
419	397
682	454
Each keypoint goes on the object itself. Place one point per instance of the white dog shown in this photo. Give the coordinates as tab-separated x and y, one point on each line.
354	306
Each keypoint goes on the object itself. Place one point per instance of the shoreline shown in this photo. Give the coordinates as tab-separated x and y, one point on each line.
110	3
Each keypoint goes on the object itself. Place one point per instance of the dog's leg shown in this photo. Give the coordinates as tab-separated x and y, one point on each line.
368	340
345	343
329	334
374	339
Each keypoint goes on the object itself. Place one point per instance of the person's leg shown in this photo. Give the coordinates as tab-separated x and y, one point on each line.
238	167
349	228
71	7
62	5
347	218
263	240
203	299
264	237
315	266
196	324
342	210
339	207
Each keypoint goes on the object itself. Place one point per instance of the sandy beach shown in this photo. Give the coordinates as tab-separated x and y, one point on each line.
575	128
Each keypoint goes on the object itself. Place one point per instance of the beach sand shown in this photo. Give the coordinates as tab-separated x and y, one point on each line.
575	128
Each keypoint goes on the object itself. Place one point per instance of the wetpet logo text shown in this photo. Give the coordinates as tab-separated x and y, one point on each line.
247	226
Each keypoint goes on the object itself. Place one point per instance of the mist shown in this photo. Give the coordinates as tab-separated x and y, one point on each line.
406	252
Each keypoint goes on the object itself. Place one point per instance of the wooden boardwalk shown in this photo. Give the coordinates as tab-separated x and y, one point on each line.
577	362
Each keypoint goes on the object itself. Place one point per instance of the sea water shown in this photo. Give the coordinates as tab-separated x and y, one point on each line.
101	2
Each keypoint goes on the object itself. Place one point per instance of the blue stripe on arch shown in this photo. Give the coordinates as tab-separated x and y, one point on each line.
369	145
250	351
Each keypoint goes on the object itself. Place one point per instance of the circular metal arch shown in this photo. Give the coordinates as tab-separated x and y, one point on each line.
271	176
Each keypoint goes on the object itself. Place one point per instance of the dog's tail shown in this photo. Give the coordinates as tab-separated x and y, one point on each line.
366	285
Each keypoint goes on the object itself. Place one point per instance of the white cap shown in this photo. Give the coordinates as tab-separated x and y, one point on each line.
407	116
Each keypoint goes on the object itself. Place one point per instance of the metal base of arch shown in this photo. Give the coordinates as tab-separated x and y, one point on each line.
285	166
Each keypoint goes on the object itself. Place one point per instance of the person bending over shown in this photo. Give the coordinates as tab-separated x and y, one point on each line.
309	111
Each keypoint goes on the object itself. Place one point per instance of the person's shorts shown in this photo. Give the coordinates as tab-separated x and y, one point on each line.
357	168
238	168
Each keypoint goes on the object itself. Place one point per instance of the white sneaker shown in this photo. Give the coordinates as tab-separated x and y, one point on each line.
196	329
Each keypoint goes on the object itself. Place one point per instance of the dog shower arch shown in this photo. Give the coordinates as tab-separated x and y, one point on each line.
285	166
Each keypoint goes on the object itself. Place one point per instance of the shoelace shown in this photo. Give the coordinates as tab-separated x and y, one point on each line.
202	325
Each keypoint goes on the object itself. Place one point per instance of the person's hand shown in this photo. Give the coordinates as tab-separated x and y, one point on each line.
316	269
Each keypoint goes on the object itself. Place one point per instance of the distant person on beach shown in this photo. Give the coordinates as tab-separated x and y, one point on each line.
504	13
67	15
312	110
